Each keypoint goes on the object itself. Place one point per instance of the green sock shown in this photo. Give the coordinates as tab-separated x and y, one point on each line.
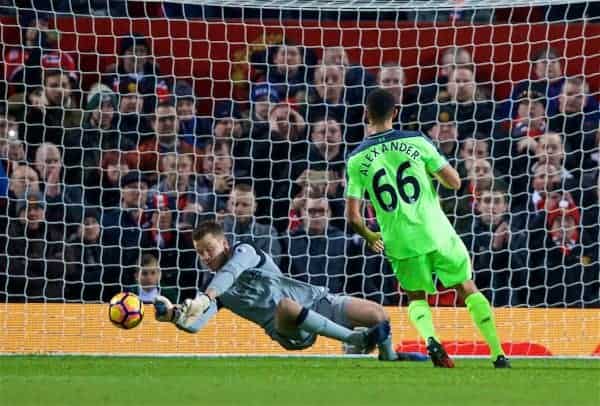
419	314
482	315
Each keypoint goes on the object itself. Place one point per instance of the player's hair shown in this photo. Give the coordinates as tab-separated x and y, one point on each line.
243	187
148	260
380	105
207	227
494	188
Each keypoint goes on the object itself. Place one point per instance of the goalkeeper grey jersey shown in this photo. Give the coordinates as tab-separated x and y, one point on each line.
251	286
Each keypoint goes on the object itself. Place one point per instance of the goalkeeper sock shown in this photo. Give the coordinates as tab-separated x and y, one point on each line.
313	322
481	313
386	352
419	314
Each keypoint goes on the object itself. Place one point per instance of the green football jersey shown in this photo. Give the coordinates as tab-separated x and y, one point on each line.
393	169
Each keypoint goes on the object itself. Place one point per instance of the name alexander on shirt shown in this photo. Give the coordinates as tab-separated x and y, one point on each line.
377	150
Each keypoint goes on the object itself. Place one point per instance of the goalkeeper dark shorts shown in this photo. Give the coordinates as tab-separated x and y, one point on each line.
331	306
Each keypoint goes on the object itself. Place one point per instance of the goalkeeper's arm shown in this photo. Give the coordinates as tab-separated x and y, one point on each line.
190	317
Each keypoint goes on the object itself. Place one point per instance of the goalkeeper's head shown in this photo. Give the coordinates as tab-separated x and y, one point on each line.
211	244
381	108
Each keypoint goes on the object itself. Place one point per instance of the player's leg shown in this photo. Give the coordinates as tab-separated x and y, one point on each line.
481	312
453	267
364	313
415	276
290	316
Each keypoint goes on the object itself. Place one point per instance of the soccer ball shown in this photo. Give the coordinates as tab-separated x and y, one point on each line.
126	310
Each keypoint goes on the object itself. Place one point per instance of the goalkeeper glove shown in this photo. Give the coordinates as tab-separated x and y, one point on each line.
164	310
191	311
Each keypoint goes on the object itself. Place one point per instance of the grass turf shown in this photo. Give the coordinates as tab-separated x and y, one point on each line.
39	380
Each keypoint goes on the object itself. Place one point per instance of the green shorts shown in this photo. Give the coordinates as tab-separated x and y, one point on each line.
451	263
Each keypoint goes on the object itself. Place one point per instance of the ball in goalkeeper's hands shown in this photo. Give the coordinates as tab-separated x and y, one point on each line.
126	310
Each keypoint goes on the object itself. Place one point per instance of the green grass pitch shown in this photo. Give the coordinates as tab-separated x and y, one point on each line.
40	380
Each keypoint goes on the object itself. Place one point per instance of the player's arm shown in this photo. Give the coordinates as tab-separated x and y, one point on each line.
244	257
448	177
355	191
190	317
439	167
195	313
357	222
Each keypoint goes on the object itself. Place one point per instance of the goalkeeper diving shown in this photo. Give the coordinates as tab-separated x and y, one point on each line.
293	313
395	170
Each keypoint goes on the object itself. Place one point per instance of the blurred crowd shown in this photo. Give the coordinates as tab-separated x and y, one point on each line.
100	187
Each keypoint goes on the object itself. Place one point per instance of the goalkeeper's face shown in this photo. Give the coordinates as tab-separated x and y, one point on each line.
213	251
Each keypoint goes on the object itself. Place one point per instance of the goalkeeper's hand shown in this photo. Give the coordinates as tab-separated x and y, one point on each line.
191	311
164	310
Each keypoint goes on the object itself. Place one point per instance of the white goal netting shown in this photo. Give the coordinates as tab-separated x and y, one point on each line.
124	124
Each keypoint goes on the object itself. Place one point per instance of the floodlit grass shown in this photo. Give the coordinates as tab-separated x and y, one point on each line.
40	380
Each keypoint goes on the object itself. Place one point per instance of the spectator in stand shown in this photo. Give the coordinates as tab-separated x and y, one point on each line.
24	64
326	148
530	121
531	200
84	146
576	115
133	123
22	180
550	151
561	261
591	226
329	98
288	72
137	63
108	196
355	75
263	98
444	133
165	141
12	154
184	189
35	267
173	247
546	78
217	179
499	250
240	225
192	128
392	78
12	148
124	232
451	59
149	281
473	113
357	79
471	149
57	114
84	261
317	251
65	202
277	160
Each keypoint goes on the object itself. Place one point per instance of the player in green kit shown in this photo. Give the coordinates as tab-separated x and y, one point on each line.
395	170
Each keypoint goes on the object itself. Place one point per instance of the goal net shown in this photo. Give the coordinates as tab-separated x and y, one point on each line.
125	124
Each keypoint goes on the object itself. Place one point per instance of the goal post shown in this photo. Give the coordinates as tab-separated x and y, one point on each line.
122	128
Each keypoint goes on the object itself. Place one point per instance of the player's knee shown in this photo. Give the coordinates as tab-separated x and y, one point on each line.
287	309
381	315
